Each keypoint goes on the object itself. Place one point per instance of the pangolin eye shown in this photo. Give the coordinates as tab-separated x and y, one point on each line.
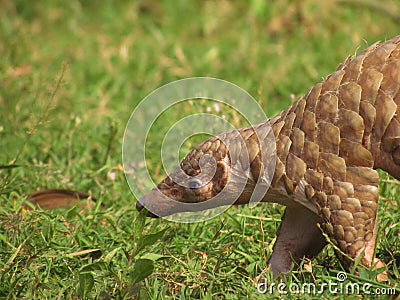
194	184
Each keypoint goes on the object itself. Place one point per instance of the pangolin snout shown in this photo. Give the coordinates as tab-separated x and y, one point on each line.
140	207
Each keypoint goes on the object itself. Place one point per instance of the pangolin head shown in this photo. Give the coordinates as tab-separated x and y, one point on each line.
202	175
221	171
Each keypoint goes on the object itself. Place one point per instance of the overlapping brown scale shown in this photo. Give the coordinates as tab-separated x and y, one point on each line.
299	111
360	228
277	126
369	207
194	163
396	40
344	63
253	148
350	234
246	133
297	138
332	165
368	113
279	171
342	217
350	96
327	185
334	202
309	191
355	154
206	145
391	138
361	176
295	168
332	82
353	248
289	120
282	147
385	111
256	167
309	125
391	82
353	69
221	152
214	146
343	189
351	125
376	59
314	178
351	204
366	192
328	137
311	154
326	214
338	232
312	97
320	199
288	184
370	81
327	108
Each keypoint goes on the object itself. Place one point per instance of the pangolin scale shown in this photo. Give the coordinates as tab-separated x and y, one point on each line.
328	147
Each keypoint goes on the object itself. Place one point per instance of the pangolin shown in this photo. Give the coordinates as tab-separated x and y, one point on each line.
329	144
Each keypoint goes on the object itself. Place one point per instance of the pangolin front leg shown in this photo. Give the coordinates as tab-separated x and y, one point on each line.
328	145
296	238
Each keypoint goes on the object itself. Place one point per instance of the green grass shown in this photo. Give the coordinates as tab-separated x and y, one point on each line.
110	55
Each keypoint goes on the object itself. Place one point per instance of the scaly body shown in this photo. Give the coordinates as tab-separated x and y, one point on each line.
328	145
